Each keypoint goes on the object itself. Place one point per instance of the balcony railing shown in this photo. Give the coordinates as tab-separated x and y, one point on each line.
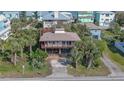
57	46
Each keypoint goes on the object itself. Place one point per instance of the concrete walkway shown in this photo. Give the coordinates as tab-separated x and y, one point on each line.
114	69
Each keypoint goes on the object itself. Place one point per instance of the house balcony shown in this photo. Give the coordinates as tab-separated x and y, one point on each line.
56	46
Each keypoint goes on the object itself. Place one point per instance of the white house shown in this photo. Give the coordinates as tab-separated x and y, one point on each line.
4	27
104	18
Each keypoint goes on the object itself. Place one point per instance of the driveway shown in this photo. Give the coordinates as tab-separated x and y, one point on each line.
59	69
114	69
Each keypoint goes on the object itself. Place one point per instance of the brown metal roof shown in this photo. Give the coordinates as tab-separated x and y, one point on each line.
67	36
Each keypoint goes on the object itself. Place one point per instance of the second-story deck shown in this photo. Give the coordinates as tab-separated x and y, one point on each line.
56	46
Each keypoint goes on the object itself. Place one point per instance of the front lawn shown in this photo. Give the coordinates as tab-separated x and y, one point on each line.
102	70
9	70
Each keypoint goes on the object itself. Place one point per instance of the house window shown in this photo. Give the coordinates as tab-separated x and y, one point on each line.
107	15
69	42
106	19
63	42
16	15
10	15
53	42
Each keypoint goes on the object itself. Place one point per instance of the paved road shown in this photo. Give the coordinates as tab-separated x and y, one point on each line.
114	69
91	78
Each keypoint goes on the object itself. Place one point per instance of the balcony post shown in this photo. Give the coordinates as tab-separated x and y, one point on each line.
45	50
59	51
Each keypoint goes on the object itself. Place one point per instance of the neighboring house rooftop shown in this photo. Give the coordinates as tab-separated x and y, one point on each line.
10	11
105	12
29	13
92	26
64	36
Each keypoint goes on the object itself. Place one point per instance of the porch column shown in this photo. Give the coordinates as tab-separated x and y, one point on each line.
45	50
60	51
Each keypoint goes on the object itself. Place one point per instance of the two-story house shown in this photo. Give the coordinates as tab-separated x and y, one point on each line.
58	41
4	27
51	19
104	18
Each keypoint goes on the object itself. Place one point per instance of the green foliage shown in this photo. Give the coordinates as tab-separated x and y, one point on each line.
85	52
9	70
36	15
37	59
39	25
99	70
101	45
120	18
23	16
115	28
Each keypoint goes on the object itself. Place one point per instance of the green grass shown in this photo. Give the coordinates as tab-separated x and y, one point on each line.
115	57
101	44
9	70
102	70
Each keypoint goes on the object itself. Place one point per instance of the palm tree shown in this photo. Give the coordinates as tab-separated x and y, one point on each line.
15	25
13	45
85	51
20	35
91	53
31	38
36	15
76	53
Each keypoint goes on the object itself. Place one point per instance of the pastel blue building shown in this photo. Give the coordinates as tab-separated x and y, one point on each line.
11	14
104	18
4	27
